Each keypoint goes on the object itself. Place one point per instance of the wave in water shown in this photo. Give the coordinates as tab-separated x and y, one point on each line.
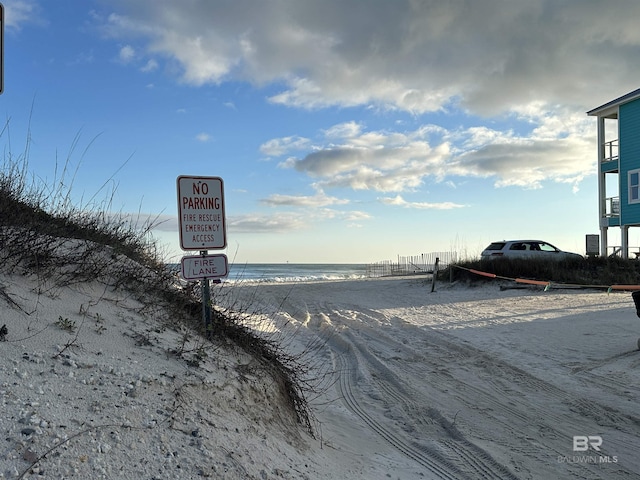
294	272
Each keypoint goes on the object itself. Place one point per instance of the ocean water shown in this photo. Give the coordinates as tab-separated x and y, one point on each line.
294	272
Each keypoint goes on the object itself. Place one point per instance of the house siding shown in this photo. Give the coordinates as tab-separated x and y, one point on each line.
629	130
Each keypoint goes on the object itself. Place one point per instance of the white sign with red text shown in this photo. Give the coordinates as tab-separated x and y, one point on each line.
204	266
201	213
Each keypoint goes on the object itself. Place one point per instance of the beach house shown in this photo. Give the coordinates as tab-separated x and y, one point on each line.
618	170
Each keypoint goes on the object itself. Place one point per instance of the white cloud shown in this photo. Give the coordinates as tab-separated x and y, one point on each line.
526	63
260	223
286	221
320	199
489	57
343	130
17	13
371	160
150	66
281	146
203	137
126	54
401	202
402	161
357	216
559	148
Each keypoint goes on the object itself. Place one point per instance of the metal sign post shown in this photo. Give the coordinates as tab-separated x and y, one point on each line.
206	302
434	275
202	223
204	267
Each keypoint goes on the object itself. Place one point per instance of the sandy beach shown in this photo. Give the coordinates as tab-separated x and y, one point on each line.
462	383
470	382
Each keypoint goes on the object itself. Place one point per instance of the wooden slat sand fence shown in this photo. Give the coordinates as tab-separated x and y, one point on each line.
422	264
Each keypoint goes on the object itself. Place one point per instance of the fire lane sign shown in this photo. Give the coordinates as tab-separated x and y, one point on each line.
204	266
201	213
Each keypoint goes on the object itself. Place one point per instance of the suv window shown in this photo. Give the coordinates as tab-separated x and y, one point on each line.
495	246
545	247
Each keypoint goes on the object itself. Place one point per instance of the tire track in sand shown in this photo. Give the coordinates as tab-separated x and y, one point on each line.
493	375
444	451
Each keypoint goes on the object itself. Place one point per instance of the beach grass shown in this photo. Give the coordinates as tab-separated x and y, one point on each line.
43	233
599	271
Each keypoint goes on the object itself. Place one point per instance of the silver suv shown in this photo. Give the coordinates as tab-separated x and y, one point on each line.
526	249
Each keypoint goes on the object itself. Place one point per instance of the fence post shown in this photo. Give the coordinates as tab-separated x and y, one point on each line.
435	274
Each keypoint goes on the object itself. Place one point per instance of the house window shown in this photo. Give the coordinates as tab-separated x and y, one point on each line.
634	186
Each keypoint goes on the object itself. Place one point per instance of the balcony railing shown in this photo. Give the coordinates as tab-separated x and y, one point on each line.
610	151
612	207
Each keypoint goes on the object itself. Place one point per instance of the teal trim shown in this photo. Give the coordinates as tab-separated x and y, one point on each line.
609	167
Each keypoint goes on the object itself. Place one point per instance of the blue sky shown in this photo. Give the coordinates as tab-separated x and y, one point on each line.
346	131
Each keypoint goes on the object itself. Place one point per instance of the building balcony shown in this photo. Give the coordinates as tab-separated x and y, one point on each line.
610	151
611	215
612	207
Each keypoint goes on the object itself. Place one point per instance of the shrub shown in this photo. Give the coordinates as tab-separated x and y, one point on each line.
596	271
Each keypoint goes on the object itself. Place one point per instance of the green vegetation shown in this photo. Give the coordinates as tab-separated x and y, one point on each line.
589	271
66	324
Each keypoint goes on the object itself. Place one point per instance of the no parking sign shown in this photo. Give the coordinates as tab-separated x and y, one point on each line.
201	213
